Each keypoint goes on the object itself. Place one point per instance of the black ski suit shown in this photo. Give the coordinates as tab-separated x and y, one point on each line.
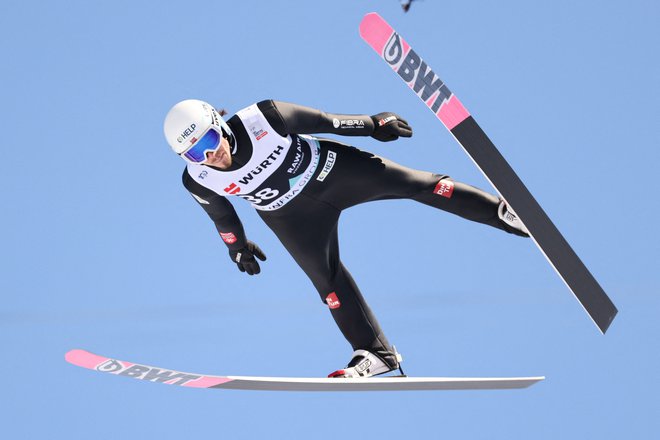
345	176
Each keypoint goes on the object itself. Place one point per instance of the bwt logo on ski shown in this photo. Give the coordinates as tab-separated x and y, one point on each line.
419	76
146	373
187	132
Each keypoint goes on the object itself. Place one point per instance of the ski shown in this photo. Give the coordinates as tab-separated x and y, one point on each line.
147	373
414	71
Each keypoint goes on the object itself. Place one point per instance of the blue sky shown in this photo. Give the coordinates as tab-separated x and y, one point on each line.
103	249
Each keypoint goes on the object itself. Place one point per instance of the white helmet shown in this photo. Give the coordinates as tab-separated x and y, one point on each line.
188	122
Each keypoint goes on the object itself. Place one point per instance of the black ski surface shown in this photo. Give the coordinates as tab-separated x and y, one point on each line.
419	76
546	235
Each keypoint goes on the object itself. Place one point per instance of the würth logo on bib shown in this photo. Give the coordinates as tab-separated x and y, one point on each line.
333	301
444	188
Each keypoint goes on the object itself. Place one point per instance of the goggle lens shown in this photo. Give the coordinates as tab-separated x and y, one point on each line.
208	142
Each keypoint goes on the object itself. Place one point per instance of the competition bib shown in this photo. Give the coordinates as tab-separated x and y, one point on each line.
278	170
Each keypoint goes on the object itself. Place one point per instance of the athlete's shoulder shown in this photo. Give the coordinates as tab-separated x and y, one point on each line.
265	106
187	180
268	109
273	116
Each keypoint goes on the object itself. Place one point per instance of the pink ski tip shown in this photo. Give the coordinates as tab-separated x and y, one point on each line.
72	356
370	23
367	22
375	31
83	358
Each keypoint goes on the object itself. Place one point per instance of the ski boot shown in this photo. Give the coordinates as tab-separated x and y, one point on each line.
367	364
511	219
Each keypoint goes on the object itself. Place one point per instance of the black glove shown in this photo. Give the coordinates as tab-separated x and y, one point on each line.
389	126
244	258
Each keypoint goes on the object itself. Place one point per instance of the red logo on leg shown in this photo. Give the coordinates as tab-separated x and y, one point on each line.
444	188
333	301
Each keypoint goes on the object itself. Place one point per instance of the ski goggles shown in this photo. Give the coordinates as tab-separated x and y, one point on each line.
210	141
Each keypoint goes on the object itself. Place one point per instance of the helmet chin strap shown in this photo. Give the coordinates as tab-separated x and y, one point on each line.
234	145
217	120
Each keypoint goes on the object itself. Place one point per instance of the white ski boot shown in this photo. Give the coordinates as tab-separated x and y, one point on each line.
367	364
509	216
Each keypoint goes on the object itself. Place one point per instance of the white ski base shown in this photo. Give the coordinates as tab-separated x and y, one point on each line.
85	359
377	383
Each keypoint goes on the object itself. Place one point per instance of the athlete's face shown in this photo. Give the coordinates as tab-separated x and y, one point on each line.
221	157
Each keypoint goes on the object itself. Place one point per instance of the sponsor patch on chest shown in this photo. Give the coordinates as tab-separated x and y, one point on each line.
329	163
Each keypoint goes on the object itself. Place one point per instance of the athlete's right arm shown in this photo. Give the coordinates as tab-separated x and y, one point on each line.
241	250
287	118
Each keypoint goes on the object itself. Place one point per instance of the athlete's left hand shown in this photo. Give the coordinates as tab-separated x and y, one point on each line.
389	126
245	260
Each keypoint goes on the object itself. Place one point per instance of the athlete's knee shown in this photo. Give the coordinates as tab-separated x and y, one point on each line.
433	185
443	186
335	283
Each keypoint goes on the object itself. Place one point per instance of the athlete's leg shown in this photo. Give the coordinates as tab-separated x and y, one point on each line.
308	230
359	177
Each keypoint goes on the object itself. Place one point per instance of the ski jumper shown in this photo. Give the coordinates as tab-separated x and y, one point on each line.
300	184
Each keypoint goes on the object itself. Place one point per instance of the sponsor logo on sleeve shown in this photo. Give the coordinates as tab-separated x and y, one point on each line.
329	163
203	174
347	123
332	301
228	237
444	188
382	122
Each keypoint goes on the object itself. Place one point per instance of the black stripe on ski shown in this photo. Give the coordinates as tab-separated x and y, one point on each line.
551	242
